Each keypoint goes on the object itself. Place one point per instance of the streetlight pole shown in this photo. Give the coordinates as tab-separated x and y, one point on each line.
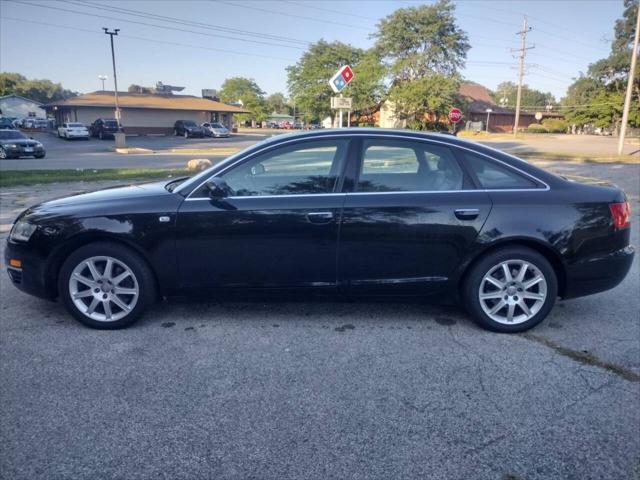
115	78
102	78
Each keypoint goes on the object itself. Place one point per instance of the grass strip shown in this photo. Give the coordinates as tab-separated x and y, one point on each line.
10	178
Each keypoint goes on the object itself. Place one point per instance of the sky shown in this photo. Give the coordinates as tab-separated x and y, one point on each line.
62	40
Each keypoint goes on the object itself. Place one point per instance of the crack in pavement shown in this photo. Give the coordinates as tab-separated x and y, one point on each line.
584	357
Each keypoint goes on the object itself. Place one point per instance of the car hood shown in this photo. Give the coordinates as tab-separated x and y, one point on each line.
18	141
110	194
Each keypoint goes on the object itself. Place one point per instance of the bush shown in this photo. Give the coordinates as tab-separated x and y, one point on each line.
555	125
536	128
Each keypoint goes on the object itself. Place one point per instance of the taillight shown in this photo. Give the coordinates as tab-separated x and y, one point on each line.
621	213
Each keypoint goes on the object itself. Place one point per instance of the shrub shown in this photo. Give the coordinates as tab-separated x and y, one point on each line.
536	128
555	125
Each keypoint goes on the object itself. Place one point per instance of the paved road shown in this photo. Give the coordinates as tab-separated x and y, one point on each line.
321	390
64	154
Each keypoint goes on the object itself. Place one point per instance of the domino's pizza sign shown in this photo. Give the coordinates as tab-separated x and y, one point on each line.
341	79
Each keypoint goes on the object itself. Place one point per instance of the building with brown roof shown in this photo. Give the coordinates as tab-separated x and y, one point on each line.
143	113
501	119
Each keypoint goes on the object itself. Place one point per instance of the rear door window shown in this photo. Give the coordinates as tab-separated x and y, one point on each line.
407	166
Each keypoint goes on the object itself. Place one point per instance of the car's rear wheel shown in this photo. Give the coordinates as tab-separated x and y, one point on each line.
186	134
510	290
101	135
106	285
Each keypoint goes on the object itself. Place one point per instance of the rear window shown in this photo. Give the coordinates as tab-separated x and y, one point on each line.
76	125
189	123
111	123
494	176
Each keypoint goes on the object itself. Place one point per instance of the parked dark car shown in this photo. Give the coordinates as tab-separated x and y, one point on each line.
358	212
104	128
188	128
15	144
7	123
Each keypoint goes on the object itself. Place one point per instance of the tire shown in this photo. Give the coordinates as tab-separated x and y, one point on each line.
175	133
58	133
3	154
186	134
139	285
532	296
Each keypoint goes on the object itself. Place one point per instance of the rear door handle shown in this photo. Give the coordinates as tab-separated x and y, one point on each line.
467	213
320	217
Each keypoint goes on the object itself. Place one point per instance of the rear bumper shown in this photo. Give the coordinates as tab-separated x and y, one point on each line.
31	278
598	274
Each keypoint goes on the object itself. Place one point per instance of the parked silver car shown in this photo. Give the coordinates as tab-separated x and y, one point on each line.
215	129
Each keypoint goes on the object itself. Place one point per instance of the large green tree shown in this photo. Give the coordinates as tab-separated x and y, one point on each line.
308	79
530	96
249	93
39	90
597	96
277	103
423	49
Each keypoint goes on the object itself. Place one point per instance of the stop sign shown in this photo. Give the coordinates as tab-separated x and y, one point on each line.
455	115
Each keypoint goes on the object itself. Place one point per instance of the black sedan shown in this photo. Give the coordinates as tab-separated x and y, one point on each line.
354	212
15	144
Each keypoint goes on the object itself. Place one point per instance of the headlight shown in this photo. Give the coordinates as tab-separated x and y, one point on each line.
13	145
22	231
38	145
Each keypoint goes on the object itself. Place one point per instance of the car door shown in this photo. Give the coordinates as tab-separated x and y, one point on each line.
411	216
278	227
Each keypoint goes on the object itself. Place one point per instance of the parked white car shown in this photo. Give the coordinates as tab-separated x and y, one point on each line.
215	129
73	130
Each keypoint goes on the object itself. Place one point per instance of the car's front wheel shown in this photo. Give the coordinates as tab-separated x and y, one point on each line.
510	290
186	134
3	154
106	285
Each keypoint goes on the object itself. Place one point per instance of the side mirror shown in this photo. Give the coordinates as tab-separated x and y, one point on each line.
218	188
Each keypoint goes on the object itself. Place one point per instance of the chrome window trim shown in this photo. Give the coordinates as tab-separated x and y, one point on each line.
383	136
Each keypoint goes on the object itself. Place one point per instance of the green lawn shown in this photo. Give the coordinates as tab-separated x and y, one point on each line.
11	178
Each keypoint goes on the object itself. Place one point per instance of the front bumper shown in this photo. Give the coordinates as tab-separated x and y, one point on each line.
31	278
24	151
598	274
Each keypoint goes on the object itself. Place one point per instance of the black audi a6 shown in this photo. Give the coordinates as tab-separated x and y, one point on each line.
358	212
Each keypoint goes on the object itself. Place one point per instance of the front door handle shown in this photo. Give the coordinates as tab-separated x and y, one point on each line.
467	213
320	217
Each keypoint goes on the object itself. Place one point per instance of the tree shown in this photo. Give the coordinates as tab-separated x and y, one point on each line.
308	79
597	97
423	49
43	91
277	102
249	93
530	96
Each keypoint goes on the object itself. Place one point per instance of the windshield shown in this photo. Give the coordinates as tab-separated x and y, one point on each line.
76	125
11	135
189	123
217	125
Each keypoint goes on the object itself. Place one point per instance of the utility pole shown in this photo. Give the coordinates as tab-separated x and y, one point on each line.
523	50
102	78
627	99
115	78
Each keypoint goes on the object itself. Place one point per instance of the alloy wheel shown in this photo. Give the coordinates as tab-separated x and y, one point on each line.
104	288
512	292
3	153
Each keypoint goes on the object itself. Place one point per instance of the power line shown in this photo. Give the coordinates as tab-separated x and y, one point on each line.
151	40
292	15
184	21
22	2
321	9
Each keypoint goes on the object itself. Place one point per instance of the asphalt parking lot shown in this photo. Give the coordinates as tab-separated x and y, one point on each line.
95	153
321	389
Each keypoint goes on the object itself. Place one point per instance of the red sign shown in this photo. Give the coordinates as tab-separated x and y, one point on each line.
455	115
347	74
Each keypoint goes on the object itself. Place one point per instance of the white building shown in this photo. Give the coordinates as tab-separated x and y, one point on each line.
20	107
